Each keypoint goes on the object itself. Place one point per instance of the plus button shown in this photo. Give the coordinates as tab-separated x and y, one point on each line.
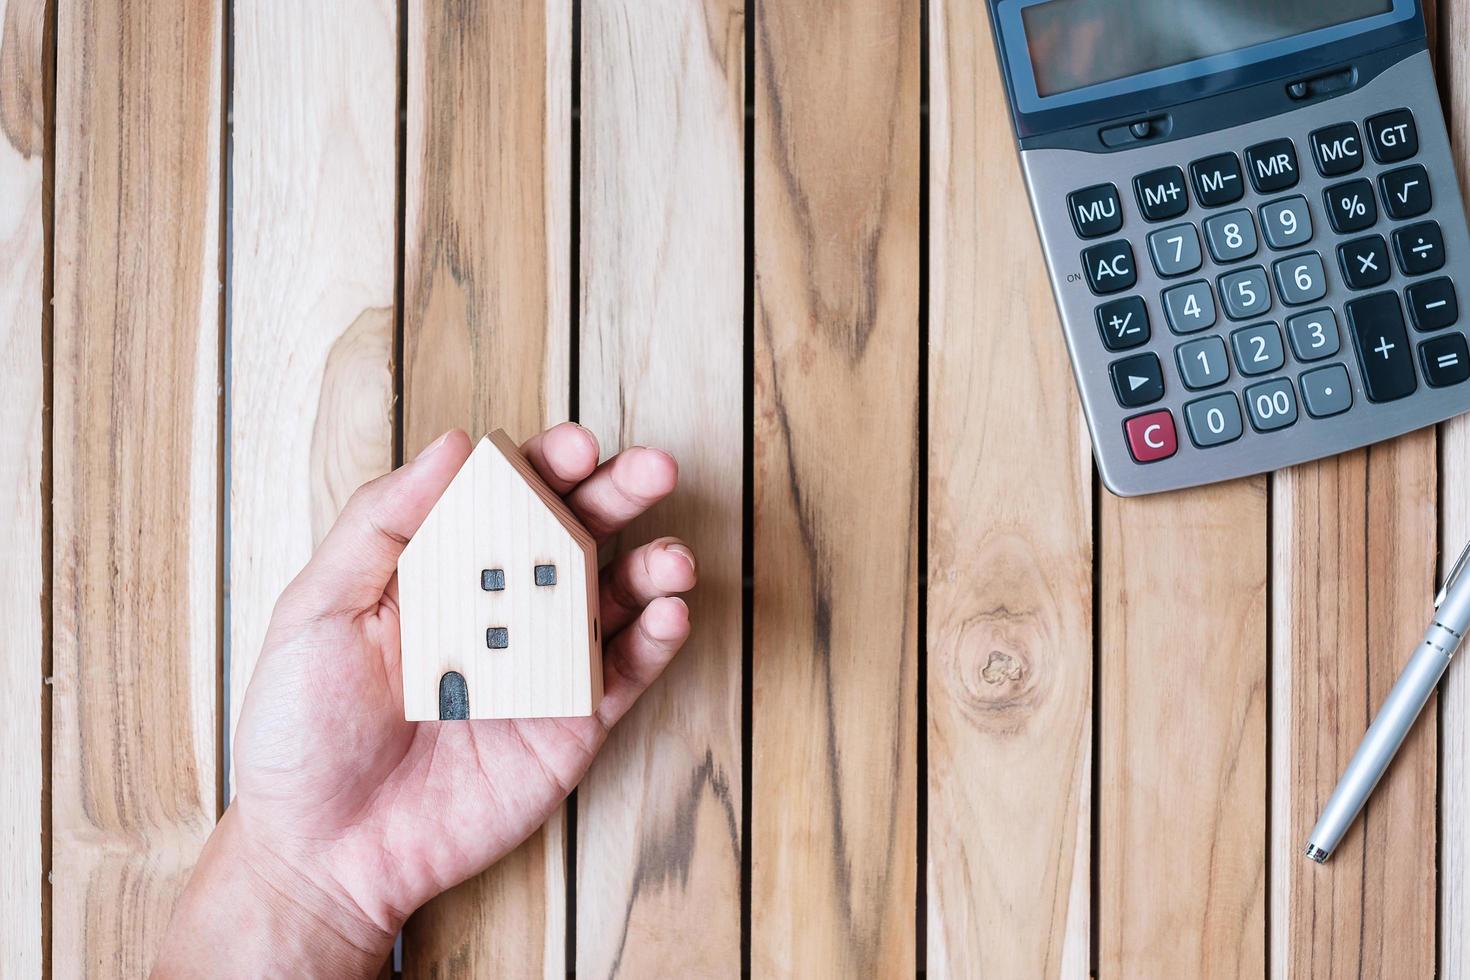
1384	347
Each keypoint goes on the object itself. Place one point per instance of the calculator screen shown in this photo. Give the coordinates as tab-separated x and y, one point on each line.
1077	43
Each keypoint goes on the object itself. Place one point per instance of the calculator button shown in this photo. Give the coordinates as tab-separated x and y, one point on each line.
1213	421
1161	193
1151	437
1301	279
1420	248
1109	267
1313	335
1337	149
1272	166
1096	211
1287	223
1190	307
1406	192
1258	349
1351	206
1446	360
1433	304
1393	136
1137	380
1377	325
1175	250
1364	262
1245	293
1327	391
1217	180
1232	236
1202	363
1123	323
1272	404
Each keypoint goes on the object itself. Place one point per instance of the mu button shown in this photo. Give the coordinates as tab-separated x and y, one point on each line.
1151	437
1137	380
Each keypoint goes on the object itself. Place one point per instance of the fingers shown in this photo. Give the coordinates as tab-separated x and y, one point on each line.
353	564
636	656
634	579
623	488
564	455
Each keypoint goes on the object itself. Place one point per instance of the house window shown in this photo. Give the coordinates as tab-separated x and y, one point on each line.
492	579
497	637
545	574
454	699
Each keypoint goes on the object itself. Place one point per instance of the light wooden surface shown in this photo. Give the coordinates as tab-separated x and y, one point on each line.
313	190
1010	617
835	620
949	707
22	289
487	344
136	469
659	822
498	514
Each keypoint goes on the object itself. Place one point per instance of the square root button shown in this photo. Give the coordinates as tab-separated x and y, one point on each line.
1151	437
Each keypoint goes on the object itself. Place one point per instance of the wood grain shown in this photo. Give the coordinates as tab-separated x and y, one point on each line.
311	298
22	266
1182	741
836	400
658	818
486	345
136	472
1010	575
498	514
1353	566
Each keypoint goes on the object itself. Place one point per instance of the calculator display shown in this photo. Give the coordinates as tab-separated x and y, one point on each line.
1077	43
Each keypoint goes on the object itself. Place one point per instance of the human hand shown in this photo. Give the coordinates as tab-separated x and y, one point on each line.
347	817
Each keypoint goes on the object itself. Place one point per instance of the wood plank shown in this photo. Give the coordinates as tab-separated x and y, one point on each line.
1353	566
662	233
487	345
1010	575
136	472
22	270
833	845
311	288
1182	719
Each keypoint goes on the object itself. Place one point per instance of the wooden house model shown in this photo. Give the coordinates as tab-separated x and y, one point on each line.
498	599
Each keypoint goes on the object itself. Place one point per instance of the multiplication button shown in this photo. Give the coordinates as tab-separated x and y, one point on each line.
1433	304
1446	360
1161	193
1406	192
1096	210
1213	421
1327	391
1364	262
1123	323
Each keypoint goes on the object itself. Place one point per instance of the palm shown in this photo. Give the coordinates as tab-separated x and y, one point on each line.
330	767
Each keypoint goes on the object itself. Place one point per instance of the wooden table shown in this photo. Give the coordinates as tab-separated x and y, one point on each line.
970	714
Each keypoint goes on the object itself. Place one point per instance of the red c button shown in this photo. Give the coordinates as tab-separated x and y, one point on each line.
1151	437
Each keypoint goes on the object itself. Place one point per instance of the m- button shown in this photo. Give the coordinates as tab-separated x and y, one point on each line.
1218	180
1151	437
1161	193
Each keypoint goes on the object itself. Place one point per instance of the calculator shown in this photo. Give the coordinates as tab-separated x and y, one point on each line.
1252	222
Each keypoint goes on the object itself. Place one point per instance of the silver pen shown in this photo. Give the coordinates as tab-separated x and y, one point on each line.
1409	695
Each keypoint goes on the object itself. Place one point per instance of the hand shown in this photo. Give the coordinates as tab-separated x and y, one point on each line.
347	817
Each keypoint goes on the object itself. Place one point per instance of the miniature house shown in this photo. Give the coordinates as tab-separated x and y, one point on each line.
498	599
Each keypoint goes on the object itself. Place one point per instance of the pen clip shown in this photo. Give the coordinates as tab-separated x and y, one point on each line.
1454	574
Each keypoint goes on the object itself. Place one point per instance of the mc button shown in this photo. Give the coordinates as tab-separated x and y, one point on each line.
1338	149
1109	267
1151	437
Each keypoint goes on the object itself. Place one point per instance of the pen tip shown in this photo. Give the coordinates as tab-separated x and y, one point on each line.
1316	853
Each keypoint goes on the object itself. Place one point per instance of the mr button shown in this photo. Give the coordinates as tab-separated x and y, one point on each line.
1151	437
1109	267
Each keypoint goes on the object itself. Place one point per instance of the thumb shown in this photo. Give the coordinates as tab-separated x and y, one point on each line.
357	558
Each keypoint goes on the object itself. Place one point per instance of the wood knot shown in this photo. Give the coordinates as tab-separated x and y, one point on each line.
1000	668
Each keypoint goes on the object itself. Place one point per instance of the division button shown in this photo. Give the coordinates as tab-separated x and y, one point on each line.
1327	391
1137	380
1420	248
1151	437
1445	359
1377	325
